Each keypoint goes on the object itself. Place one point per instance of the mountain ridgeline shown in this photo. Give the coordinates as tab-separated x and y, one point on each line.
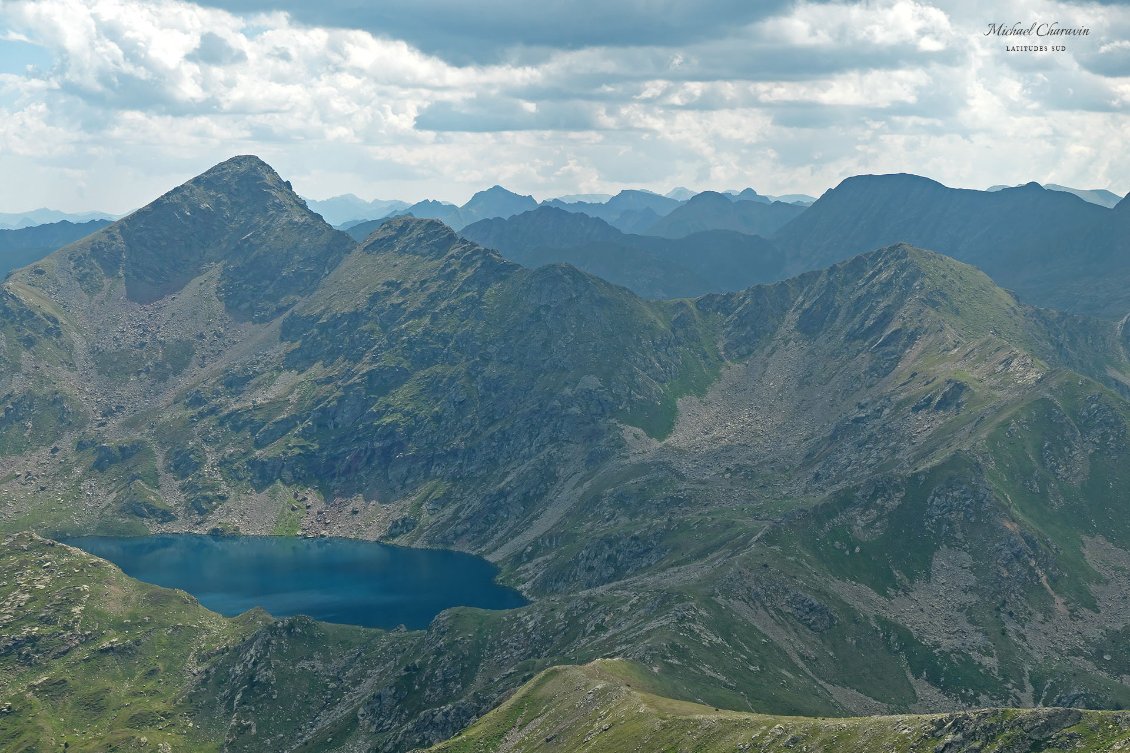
495	201
883	486
714	211
21	247
702	262
1050	246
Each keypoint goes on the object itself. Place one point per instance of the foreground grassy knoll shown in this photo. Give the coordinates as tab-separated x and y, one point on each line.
606	707
92	660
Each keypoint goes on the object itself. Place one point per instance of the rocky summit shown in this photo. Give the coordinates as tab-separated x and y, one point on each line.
885	487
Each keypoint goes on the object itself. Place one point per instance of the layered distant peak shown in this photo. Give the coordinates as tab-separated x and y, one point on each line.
544	227
239	214
888	182
711	210
634	199
496	201
1100	196
1020	236
709	198
748	194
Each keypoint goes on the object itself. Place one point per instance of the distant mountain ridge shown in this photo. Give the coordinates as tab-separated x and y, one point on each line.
629	211
338	210
703	261
495	201
1053	248
1100	196
21	247
714	211
20	220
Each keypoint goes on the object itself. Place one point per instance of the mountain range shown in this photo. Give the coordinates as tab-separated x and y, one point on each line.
714	211
1100	196
1051	247
495	201
629	211
348	208
20	220
883	486
701	262
21	247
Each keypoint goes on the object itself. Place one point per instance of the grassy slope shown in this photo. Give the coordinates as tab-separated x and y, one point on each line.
91	660
606	707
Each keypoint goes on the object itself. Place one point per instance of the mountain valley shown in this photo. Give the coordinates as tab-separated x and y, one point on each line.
881	486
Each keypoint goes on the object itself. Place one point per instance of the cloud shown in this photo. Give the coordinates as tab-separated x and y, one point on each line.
493	31
128	97
487	114
215	50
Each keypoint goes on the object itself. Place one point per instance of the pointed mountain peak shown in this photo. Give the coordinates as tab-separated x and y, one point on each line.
904	286
497	201
239	214
497	193
243	162
244	177
497	190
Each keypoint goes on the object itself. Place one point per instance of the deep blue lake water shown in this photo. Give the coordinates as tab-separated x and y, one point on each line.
333	580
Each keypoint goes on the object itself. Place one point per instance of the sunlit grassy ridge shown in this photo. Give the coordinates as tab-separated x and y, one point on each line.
607	707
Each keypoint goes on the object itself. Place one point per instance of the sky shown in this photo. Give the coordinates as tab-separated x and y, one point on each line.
106	104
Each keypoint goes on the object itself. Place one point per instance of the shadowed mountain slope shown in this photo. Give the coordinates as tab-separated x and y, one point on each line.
629	211
21	247
1052	247
652	267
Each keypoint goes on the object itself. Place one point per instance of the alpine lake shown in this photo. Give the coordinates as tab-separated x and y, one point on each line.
336	580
